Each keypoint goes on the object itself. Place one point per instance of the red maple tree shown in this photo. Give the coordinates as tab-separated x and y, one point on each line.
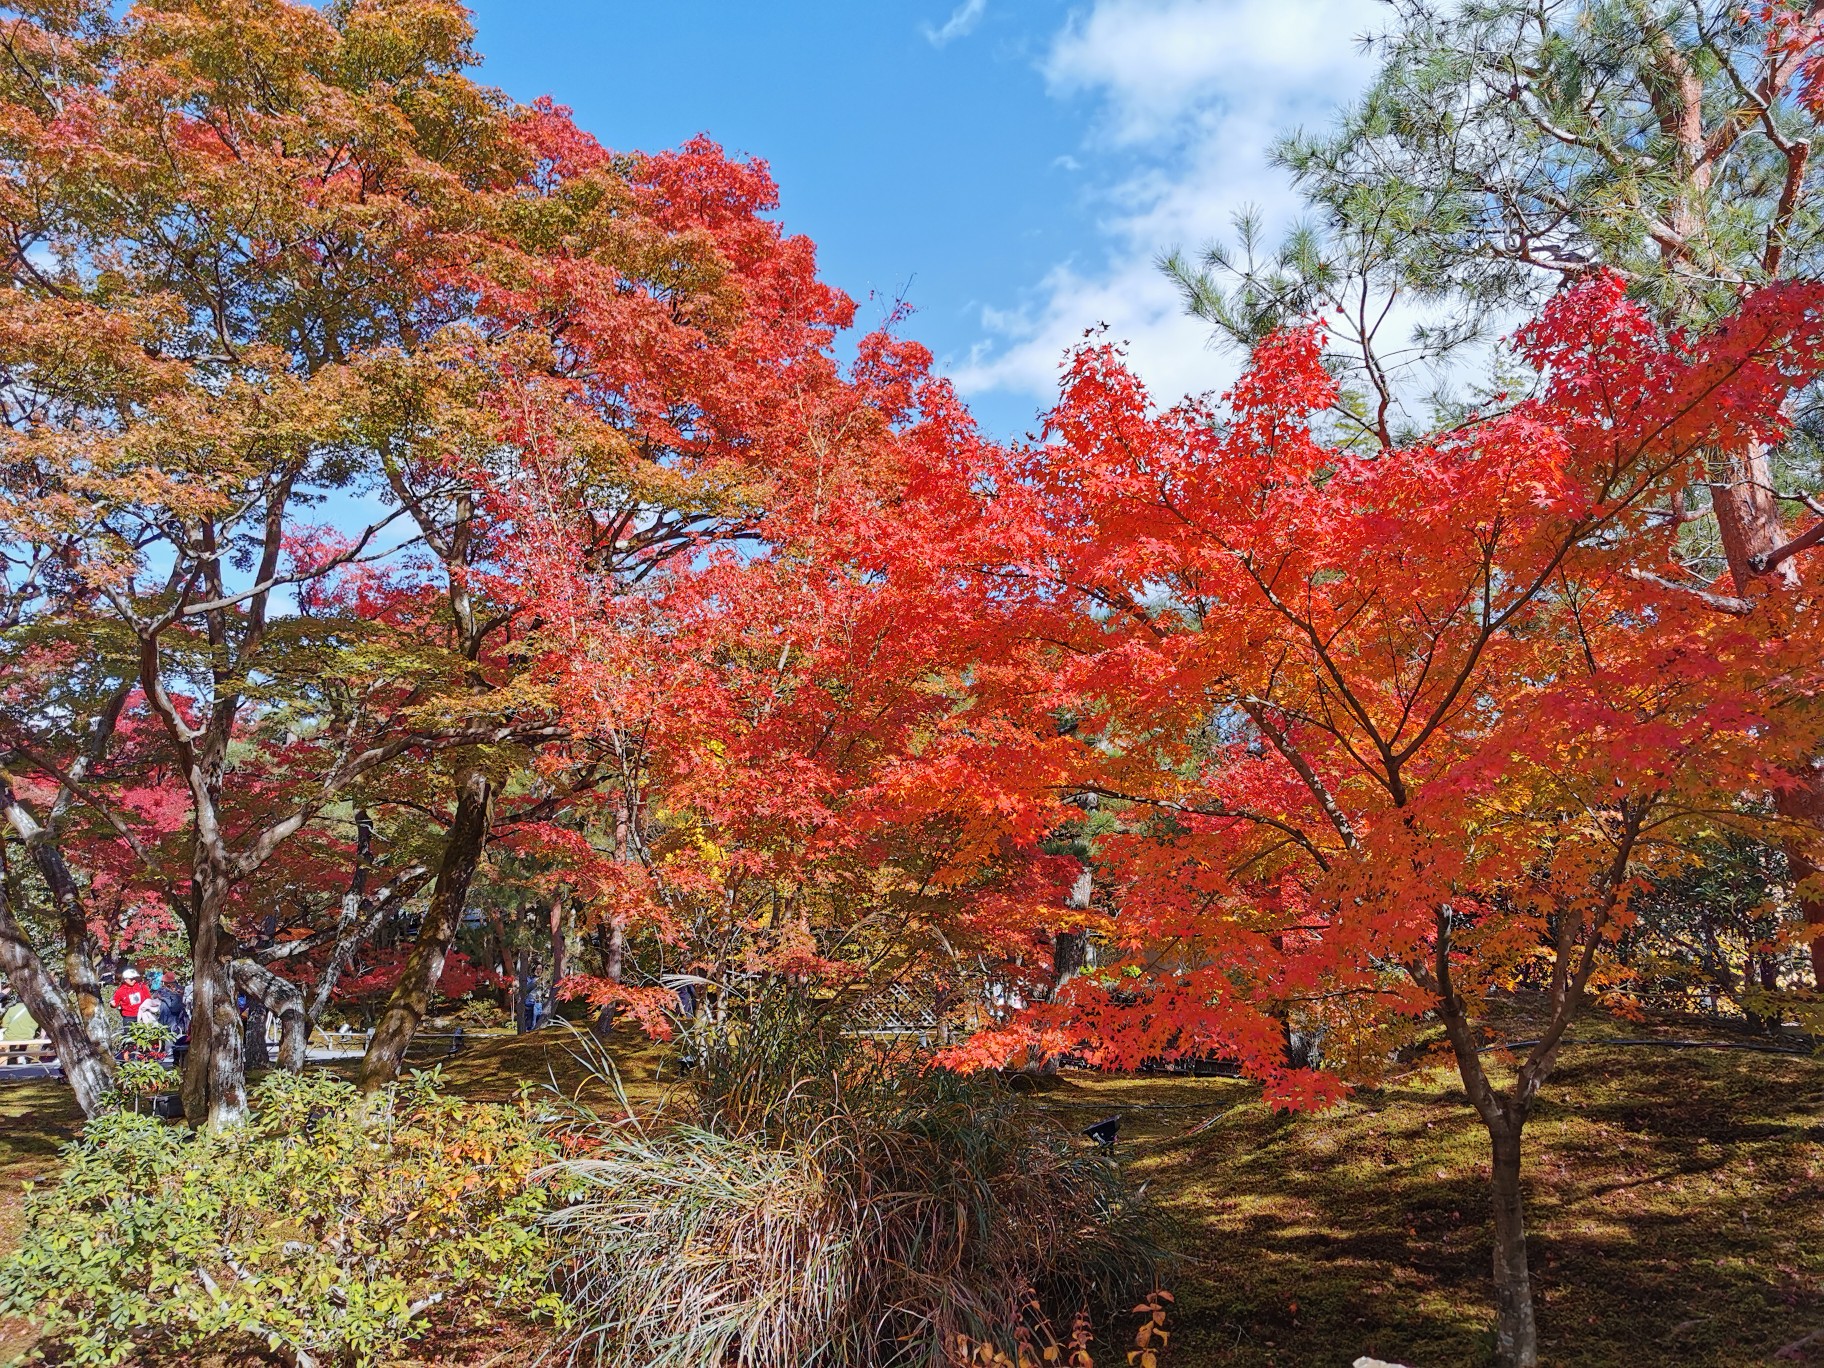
1388	734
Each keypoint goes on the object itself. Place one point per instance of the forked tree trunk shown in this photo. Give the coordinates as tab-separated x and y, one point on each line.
281	998
90	1071
411	997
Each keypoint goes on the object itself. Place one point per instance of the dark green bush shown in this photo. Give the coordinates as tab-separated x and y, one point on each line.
323	1231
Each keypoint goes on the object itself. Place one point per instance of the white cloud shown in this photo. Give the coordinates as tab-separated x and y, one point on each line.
960	24
1189	96
1159	63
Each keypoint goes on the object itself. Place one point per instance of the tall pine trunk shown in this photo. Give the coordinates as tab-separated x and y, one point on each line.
411	997
1748	519
89	1070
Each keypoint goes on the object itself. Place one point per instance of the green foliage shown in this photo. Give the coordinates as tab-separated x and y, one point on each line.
838	1203
1389	325
141	1074
1713	935
323	1230
1517	142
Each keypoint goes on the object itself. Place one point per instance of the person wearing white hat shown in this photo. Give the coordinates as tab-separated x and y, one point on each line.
131	995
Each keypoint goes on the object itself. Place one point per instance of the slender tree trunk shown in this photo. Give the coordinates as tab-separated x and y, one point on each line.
1803	803
522	992
78	964
411	997
1504	1118
350	924
89	1071
614	958
1516	1333
505	989
281	998
558	939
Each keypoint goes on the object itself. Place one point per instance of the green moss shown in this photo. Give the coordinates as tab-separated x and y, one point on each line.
1674	1200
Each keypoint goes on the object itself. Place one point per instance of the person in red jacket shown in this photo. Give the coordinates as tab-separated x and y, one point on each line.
131	995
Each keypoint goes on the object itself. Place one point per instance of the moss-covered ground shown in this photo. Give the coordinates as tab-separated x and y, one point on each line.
1676	1214
1676	1205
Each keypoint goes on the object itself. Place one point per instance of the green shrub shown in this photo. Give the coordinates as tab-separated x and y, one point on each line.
321	1231
140	1075
839	1203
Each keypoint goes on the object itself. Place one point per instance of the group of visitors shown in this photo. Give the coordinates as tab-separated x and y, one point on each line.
150	1000
139	998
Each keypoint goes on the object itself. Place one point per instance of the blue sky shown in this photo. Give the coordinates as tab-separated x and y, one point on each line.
1011	166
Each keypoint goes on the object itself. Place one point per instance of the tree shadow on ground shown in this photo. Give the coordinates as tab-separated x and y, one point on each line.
1673	1209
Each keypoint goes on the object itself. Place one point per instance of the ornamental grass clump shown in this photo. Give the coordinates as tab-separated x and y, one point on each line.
692	1248
836	1202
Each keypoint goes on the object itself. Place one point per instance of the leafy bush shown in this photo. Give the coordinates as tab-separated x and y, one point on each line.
141	1073
323	1230
838	1203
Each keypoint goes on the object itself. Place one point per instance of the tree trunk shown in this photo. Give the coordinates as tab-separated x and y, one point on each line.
614	958
557	951
1504	1118
1748	520
281	998
90	1071
215	1075
522	992
505	986
253	1035
1516	1334
350	926
411	997
1803	802
78	964
1748	517
1070	949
